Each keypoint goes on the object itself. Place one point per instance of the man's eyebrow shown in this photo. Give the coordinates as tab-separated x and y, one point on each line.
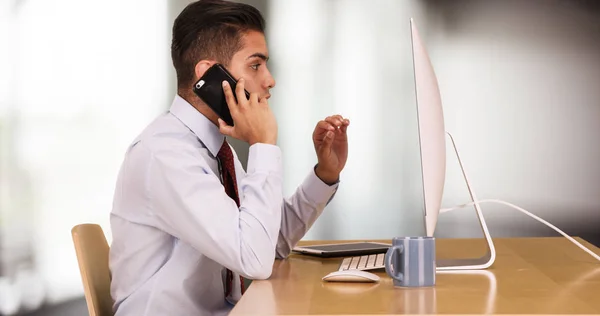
259	55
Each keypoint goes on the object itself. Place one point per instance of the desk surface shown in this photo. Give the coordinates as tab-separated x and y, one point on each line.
530	276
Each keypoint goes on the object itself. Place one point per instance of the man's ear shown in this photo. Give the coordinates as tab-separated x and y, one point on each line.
201	67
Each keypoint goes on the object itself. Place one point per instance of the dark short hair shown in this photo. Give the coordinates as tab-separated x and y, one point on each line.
210	29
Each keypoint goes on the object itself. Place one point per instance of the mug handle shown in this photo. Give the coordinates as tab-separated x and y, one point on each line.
389	256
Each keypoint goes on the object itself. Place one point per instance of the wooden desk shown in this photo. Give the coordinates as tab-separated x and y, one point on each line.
530	276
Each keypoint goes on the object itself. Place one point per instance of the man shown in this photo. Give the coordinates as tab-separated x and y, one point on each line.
189	224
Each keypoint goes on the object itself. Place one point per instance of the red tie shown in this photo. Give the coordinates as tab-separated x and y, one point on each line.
225	157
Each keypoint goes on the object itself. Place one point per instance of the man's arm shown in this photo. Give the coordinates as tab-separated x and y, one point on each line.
189	202
300	211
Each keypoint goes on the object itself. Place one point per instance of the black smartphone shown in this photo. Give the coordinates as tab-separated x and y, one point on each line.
209	88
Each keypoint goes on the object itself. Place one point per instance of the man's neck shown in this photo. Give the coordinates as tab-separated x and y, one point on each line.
199	105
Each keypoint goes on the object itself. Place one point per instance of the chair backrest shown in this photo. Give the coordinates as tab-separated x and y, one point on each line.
92	255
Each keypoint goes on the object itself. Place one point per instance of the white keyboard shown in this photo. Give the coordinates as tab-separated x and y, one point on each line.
370	262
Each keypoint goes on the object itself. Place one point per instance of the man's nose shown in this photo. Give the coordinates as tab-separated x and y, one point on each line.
269	82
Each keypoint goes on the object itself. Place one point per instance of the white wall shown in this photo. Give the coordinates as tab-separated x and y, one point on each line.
88	76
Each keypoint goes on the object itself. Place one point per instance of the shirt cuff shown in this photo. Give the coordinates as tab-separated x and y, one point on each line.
265	158
316	190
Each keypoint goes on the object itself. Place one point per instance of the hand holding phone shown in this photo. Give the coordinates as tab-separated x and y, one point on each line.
255	123
209	89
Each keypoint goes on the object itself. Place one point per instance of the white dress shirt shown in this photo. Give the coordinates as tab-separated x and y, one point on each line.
175	230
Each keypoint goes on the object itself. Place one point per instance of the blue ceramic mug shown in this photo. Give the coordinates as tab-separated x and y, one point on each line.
410	261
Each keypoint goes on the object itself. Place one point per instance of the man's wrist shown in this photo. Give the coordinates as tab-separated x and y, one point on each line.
328	178
269	141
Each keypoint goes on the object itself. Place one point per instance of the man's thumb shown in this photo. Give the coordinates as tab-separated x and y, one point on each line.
327	141
224	128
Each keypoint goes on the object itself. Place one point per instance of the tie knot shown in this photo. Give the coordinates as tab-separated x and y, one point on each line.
225	152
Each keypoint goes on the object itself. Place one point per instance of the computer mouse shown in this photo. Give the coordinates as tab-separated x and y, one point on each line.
351	276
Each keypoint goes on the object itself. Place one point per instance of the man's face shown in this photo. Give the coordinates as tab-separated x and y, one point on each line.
250	63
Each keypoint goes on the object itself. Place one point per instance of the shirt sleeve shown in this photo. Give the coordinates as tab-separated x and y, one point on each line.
189	202
301	210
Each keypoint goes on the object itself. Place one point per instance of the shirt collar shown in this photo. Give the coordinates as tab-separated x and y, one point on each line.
206	131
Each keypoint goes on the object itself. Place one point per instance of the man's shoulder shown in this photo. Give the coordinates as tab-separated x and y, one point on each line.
163	131
165	135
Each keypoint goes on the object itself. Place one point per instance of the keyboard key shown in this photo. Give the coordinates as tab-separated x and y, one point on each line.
362	263
379	261
345	264
371	261
354	263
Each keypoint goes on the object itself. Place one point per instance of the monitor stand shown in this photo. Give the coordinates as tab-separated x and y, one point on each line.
470	263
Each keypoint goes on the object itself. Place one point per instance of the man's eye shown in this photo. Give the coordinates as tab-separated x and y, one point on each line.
255	66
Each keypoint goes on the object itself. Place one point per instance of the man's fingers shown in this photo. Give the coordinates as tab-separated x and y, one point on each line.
239	92
229	97
336	120
327	141
344	128
343	121
225	129
333	123
338	117
345	124
325	126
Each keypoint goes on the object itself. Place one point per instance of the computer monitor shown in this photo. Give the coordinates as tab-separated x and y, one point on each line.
432	132
432	142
